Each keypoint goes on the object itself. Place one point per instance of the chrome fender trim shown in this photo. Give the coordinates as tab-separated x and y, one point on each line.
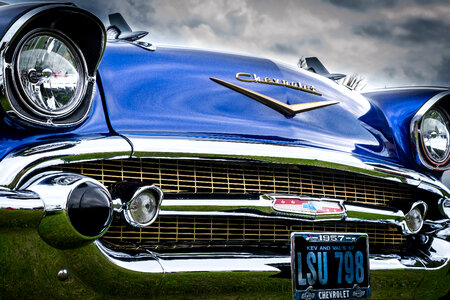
17	165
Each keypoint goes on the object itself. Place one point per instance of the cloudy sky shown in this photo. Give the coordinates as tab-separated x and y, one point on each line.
390	43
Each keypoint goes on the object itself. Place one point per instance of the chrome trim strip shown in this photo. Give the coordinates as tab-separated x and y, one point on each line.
20	200
146	147
20	163
17	165
230	262
360	213
414	129
20	209
145	262
263	208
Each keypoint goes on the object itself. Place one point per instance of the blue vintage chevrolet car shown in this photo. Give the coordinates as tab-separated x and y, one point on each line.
134	171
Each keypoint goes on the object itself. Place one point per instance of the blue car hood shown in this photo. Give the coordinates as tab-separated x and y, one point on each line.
168	92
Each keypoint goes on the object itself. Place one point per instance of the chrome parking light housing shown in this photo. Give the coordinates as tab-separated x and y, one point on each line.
415	217
139	204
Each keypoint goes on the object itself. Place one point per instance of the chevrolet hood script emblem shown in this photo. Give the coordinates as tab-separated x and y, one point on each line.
285	109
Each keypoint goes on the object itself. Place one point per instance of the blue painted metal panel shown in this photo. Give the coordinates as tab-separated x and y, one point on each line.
10	13
13	136
399	106
168	92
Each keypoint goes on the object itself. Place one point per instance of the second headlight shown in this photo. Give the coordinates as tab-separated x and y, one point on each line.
435	136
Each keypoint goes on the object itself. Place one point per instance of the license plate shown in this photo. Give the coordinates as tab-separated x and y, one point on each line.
330	265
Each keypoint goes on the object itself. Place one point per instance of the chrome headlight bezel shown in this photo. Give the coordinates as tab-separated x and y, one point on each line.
87	41
429	151
425	157
81	68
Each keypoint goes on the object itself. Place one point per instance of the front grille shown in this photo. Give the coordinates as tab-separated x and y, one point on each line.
176	232
213	177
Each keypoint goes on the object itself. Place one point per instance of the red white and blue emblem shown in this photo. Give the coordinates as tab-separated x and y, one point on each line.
311	208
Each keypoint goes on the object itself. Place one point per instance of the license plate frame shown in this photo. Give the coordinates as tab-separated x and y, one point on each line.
340	262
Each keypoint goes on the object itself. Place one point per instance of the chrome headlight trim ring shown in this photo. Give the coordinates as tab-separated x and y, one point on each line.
416	126
15	105
428	150
80	65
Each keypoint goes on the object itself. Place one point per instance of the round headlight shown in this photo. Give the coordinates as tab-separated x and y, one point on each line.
51	73
137	203
436	135
414	220
143	208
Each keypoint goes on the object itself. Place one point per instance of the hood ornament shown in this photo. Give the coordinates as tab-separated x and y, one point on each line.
285	109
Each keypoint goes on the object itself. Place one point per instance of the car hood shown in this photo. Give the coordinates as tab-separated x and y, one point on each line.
169	92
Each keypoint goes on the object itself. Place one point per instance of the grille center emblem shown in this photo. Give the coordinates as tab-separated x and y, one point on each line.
309	208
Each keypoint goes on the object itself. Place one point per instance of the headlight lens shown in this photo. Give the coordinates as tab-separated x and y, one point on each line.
414	220
51	74
435	135
143	208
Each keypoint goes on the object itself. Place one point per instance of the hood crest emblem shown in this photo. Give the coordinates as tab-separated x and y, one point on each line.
283	108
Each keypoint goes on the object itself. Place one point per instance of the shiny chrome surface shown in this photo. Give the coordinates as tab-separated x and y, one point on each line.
444	206
422	208
415	131
165	147
145	262
10	104
20	208
230	262
63	275
285	109
21	200
145	45
95	271
263	207
246	77
18	164
54	189
122	201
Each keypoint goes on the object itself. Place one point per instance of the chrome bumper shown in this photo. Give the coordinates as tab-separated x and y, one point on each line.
31	267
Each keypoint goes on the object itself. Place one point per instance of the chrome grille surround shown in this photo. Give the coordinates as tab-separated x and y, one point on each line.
211	177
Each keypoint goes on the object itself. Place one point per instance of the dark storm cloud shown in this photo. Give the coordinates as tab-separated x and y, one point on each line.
411	31
363	6
389	42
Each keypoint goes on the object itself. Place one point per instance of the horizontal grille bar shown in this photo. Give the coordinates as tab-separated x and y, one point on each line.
177	230
202	176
